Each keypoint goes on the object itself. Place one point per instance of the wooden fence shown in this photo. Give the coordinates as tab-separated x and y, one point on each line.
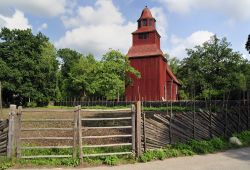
162	128
3	137
133	128
70	133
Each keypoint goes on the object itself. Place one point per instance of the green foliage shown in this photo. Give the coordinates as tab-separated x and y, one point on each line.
111	160
5	163
201	147
27	66
244	137
83	76
215	57
50	162
194	147
248	44
32	104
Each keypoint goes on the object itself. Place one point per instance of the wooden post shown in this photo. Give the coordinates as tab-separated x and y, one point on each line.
133	111
18	132
1	101
210	125
138	128
193	124
144	132
75	132
226	121
248	109
11	140
238	127
170	129
80	132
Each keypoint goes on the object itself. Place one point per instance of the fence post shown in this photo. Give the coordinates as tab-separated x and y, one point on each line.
18	131
75	132
133	128
138	128
210	124
144	132
80	132
226	121
248	110
193	124
11	139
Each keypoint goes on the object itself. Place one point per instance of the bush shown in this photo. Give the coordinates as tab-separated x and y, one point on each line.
111	160
244	137
5	163
32	104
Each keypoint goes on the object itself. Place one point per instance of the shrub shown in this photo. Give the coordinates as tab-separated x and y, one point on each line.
111	160
32	104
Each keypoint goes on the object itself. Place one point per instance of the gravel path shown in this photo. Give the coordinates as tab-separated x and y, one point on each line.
238	159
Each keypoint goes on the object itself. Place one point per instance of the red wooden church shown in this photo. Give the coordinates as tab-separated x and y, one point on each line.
157	81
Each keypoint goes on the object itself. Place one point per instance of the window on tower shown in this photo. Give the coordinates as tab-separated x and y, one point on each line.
143	35
151	22
139	24
144	22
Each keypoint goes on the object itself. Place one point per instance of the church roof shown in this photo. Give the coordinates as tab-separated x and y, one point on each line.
146	14
145	29
171	74
144	50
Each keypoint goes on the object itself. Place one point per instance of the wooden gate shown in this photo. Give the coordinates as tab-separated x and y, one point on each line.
46	133
106	129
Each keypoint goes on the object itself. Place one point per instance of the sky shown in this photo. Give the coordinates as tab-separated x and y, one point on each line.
95	26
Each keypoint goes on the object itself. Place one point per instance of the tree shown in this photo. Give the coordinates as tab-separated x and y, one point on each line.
83	76
213	69
173	63
114	74
67	58
28	65
248	44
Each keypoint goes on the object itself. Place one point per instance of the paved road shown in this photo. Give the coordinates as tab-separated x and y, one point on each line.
231	160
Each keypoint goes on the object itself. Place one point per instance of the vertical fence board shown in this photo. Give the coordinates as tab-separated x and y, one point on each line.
133	112
18	132
138	128
80	132
11	131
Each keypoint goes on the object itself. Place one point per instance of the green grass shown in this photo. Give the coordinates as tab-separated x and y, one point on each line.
195	147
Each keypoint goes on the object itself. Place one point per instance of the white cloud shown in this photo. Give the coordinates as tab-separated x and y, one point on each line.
17	20
49	8
236	10
97	28
103	13
179	45
44	26
161	21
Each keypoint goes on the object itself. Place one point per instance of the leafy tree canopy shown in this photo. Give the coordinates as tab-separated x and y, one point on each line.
212	69
27	65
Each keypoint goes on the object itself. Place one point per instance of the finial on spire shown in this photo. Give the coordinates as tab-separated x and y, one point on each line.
146	6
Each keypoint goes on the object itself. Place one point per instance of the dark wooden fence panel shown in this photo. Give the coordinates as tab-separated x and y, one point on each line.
162	128
3	137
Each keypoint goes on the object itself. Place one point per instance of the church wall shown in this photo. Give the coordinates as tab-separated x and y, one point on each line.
148	83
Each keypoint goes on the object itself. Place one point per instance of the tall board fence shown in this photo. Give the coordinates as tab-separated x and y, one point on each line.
135	129
162	128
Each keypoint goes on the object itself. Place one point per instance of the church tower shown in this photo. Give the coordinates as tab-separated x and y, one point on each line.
157	81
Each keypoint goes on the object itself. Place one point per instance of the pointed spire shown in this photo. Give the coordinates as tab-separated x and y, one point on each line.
146	14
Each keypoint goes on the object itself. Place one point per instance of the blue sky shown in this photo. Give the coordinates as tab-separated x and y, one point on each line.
94	26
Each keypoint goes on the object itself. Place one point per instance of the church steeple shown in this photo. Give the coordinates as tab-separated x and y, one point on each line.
146	19
146	39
